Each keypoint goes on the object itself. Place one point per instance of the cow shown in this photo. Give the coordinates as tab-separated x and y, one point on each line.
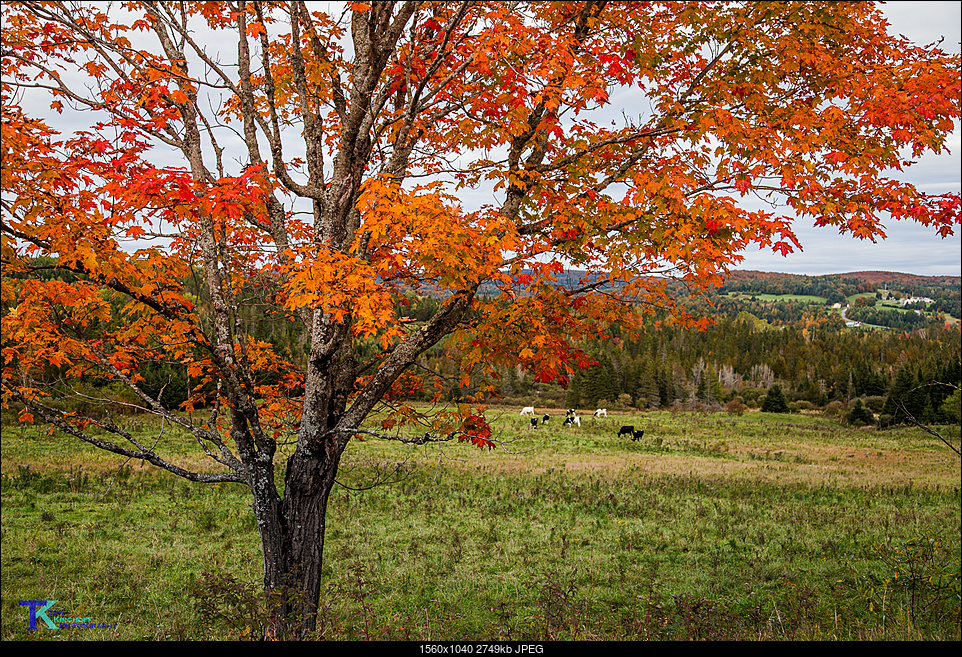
534	423
572	420
601	412
544	420
626	431
570	413
638	435
527	410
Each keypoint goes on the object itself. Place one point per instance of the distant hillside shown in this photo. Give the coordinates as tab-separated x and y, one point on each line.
836	286
879	277
876	278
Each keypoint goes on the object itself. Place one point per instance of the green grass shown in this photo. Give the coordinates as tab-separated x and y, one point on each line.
805	298
713	527
851	298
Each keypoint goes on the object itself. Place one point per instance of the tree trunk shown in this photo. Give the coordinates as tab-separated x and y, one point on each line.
292	536
292	526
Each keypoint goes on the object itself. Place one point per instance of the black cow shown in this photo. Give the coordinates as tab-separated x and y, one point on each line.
626	431
638	435
534	423
545	419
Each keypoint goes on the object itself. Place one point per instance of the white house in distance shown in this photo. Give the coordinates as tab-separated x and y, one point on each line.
905	302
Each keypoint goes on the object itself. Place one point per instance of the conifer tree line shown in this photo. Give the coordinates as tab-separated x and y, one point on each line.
739	359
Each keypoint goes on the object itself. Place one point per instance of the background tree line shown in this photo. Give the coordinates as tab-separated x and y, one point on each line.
739	359
802	348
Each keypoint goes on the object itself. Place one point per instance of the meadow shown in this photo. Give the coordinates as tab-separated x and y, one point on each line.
714	526
802	298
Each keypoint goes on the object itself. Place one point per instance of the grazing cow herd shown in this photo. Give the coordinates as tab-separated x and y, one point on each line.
572	419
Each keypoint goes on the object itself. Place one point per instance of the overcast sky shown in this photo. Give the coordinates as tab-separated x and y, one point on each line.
909	248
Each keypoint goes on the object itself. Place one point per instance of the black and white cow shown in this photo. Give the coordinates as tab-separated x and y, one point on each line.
638	435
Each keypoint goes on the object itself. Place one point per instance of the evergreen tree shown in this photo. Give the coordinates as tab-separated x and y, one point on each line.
599	382
899	394
715	391
573	396
859	415
646	392
701	391
666	386
774	401
951	409
509	383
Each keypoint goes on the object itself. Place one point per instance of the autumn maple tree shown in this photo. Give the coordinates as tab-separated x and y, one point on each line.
327	166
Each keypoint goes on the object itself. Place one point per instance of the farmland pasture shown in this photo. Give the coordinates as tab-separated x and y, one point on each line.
800	298
712	527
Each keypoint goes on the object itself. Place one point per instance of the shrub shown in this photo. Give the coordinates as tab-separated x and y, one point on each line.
951	409
834	408
735	407
920	578
751	396
875	403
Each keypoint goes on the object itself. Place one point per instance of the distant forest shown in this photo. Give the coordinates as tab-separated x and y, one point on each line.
770	332
777	330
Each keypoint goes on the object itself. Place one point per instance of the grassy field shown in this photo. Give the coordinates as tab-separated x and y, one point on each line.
805	298
712	527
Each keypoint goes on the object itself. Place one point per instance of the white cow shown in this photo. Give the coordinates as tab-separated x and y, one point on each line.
528	410
601	412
